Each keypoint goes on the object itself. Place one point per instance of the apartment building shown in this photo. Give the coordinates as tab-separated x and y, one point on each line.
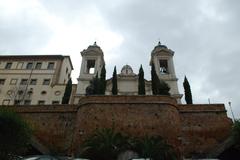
33	79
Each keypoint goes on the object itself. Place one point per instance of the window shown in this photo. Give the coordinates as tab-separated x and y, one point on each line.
10	92
23	82
6	102
43	92
38	65
2	81
55	102
41	102
27	102
57	93
19	65
17	102
66	70
46	81
8	65
20	92
50	65
13	81
29	65
91	66
29	93
33	82
163	66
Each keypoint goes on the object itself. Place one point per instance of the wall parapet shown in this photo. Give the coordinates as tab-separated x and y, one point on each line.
44	108
201	108
128	99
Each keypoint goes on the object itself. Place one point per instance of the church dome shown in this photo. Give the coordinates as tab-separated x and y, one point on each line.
93	50
160	45
127	70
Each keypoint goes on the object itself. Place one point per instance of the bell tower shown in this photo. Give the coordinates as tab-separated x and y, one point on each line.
162	58
92	63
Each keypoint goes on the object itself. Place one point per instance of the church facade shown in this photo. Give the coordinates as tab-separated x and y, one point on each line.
93	61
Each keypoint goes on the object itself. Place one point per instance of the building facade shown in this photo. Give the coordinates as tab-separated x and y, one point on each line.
35	79
93	61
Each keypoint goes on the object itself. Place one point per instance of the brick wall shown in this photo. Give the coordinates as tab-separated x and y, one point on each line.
189	128
53	125
203	127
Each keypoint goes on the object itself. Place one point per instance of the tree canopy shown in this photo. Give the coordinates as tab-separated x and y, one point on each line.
155	80
108	140
236	134
154	147
15	134
94	86
97	85
67	93
114	82
102	81
141	82
104	144
159	87
163	88
187	91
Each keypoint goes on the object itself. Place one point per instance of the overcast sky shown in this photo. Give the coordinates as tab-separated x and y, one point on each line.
204	34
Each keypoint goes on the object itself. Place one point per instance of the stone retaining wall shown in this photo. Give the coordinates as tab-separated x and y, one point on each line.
191	129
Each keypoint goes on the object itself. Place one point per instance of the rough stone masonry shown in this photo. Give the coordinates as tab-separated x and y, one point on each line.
190	129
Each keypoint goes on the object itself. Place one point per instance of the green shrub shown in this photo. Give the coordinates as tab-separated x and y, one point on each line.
15	134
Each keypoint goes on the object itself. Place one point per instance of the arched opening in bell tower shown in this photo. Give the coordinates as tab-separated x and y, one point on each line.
163	66
90	67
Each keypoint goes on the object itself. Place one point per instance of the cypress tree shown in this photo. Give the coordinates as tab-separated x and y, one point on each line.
187	91
163	88
93	88
67	93
155	81
96	85
89	89
114	82
159	87
102	81
141	82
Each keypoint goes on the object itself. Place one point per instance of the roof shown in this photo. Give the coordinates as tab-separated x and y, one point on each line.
92	49
160	47
34	58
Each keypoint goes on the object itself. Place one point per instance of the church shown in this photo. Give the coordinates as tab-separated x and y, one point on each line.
93	61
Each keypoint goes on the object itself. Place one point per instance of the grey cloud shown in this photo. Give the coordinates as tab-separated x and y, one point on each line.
23	33
203	43
204	35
